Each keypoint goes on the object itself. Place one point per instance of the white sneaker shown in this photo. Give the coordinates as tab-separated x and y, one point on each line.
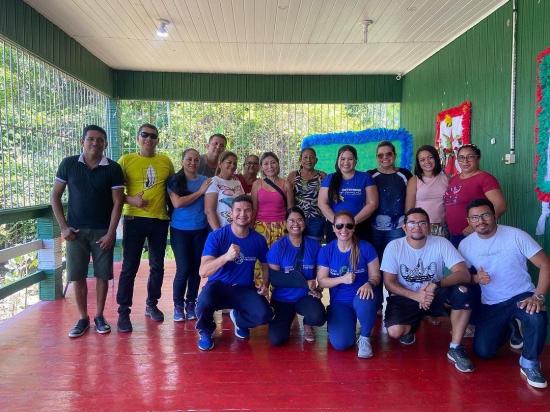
364	347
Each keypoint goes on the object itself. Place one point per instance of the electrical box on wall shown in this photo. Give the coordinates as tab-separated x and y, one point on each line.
510	158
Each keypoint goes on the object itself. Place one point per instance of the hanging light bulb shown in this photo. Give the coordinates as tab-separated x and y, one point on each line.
365	29
162	30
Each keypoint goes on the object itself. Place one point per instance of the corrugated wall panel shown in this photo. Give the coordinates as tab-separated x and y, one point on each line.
256	88
24	26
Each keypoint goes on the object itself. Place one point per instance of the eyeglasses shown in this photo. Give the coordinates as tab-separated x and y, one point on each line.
469	157
483	216
146	135
383	155
295	221
421	224
340	226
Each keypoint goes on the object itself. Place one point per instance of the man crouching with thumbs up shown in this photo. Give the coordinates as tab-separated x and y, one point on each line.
228	260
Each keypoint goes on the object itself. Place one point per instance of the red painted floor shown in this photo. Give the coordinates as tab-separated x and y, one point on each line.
158	367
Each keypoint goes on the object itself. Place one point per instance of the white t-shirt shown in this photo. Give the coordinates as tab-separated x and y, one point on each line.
504	257
227	190
414	267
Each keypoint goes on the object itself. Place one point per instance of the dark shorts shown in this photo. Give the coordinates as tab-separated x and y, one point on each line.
404	311
79	251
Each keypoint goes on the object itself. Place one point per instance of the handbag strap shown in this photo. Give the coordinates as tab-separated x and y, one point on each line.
278	189
299	261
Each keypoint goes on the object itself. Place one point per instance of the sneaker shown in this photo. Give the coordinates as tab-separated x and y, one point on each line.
179	313
190	313
154	313
79	328
242	333
124	324
407	339
460	359
535	378
205	341
309	333
516	338
101	325
364	347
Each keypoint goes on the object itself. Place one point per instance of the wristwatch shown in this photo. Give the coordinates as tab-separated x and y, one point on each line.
540	297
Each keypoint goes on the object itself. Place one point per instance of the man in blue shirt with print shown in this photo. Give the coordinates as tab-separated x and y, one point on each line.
228	260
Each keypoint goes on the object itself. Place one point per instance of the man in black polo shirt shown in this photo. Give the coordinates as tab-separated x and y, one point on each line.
96	195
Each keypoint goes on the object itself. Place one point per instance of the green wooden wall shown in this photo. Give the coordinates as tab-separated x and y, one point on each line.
477	67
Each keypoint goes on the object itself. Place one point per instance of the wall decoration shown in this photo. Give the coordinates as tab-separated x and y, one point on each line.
542	136
365	141
452	130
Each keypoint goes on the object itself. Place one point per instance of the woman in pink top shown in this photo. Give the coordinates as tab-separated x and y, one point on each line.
427	187
271	197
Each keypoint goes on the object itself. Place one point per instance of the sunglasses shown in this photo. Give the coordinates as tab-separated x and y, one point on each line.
340	226
383	155
146	135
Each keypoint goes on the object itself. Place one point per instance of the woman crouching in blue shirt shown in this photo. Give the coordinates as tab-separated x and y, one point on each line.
294	258
350	268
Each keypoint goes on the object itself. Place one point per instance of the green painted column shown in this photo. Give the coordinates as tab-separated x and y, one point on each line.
50	258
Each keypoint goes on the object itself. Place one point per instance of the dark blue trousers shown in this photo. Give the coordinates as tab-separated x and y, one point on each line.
251	309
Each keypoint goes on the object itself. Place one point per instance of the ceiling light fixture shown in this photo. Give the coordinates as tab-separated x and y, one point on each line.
162	30
365	29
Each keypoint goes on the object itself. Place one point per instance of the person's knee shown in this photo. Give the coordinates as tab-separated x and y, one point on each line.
315	319
483	350
396	331
278	338
341	342
534	321
461	297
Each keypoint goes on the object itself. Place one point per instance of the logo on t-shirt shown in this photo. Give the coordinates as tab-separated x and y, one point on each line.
150	178
239	259
419	273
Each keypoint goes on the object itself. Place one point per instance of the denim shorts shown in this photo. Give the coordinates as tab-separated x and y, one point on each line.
78	255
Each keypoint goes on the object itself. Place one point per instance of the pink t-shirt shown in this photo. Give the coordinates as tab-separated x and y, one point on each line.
271	206
429	196
461	192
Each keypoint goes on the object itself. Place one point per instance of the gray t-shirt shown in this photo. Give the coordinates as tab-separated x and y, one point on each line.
414	267
204	169
504	257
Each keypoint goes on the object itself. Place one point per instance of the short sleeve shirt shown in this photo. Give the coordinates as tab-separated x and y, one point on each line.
190	217
352	194
227	190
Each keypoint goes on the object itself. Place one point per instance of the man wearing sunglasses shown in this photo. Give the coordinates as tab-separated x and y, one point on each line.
413	269
145	218
499	254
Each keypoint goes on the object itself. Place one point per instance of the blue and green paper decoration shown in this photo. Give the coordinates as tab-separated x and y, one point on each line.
542	136
365	141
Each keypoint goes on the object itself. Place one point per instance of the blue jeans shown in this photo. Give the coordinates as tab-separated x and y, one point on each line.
251	309
310	308
315	227
493	330
342	319
187	246
135	231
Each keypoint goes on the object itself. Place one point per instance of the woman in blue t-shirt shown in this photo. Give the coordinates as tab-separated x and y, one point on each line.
350	269
188	230
291	254
348	190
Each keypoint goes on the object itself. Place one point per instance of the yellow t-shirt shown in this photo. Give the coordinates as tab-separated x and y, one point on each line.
148	175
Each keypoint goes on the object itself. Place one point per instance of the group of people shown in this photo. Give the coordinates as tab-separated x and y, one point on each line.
432	241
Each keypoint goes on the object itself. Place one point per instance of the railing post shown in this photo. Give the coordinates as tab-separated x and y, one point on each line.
50	258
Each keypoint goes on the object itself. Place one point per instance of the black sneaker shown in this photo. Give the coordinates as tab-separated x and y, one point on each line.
124	324
460	359
101	325
407	339
516	338
154	313
79	328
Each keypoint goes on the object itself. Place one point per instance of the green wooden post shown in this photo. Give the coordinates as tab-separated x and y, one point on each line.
50	258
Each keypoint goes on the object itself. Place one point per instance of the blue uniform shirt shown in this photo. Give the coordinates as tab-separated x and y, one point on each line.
190	217
353	193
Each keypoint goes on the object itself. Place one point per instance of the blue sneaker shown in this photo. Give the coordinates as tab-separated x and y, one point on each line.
206	342
241	333
190	312
179	314
535	378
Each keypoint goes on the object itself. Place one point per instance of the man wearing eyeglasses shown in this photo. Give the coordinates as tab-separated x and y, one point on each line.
413	269
499	254
145	218
208	163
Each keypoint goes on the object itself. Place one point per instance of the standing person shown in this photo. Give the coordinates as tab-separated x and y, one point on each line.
228	260
208	162
220	194
350	190
427	188
251	167
188	231
472	183
499	254
96	195
413	268
349	268
306	183
391	181
295	254
145	218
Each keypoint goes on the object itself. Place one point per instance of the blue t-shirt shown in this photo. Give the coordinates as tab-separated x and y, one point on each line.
352	193
241	270
283	253
338	264
190	217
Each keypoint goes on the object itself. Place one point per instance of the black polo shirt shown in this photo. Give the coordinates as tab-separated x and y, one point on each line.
90	191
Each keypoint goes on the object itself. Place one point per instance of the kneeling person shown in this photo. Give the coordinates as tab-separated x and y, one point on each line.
413	274
228	260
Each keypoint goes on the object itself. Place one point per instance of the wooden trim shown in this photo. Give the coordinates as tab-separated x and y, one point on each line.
19	250
22	284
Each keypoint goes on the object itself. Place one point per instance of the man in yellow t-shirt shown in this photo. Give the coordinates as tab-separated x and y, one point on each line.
145	217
